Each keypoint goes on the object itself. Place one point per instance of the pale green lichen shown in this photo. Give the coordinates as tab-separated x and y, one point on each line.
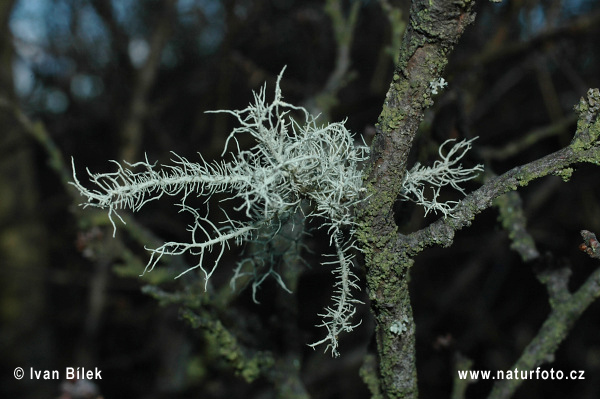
294	161
588	125
565	174
448	171
399	326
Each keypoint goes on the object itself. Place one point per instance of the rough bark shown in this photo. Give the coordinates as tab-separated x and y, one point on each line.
434	27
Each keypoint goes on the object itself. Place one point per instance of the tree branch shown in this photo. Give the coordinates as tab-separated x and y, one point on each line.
585	147
512	217
132	129
434	27
566	310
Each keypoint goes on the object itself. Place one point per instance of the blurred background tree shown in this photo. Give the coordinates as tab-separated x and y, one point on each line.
100	79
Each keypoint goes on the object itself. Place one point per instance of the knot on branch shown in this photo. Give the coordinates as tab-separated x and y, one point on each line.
590	244
593	100
443	235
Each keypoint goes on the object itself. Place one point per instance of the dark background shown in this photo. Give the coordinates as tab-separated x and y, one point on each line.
79	77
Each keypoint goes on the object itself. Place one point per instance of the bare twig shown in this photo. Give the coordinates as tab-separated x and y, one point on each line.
529	139
132	128
343	27
38	131
514	49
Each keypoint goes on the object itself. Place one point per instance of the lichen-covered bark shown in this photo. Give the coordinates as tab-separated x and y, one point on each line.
512	218
434	27
390	256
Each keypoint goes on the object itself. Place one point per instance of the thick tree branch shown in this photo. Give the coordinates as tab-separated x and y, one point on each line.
434	27
566	307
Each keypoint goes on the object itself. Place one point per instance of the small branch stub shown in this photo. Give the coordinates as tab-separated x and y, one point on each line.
590	244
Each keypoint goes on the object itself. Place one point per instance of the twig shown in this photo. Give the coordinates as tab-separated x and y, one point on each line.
514	222
566	310
459	388
132	129
369	375
38	131
248	364
528	139
517	48
397	25
343	27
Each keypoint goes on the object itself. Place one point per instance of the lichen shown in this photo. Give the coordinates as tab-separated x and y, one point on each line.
399	326
565	173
